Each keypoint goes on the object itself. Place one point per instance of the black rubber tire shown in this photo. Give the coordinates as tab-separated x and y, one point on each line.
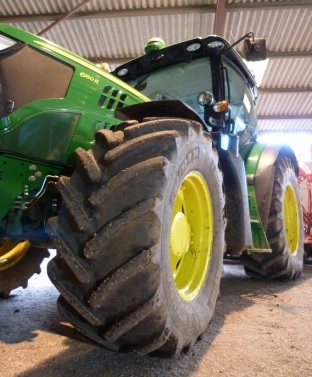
282	263
112	238
18	275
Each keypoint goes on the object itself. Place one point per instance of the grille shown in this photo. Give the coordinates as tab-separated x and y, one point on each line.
112	98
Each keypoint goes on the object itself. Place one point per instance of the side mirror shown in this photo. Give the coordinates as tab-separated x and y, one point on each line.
254	49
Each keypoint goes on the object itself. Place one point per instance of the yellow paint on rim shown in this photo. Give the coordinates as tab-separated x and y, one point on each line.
291	219
191	236
11	253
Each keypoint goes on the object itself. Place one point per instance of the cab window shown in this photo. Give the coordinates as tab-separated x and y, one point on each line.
27	75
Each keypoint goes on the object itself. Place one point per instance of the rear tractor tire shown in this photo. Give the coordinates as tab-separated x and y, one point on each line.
284	231
140	238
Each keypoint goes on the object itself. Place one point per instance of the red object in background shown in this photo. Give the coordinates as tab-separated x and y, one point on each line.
305	185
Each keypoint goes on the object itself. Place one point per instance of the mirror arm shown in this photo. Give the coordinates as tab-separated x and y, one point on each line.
248	35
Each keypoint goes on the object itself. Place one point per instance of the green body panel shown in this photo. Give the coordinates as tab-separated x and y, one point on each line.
45	131
251	155
87	92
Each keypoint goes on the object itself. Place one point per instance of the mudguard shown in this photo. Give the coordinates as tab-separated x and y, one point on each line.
259	164
168	108
238	235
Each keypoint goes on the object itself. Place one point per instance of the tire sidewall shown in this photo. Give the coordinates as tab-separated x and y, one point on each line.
192	317
297	258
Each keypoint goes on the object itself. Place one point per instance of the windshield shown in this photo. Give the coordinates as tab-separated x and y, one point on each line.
242	112
183	81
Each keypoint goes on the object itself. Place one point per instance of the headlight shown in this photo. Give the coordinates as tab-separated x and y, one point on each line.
205	98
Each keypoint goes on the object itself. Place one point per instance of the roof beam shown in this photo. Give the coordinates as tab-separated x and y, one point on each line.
284	90
270	4
65	16
284	117
289	54
219	18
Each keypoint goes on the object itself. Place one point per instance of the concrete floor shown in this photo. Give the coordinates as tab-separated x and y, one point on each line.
36	342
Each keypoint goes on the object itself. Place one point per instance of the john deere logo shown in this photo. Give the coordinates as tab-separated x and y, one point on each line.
88	77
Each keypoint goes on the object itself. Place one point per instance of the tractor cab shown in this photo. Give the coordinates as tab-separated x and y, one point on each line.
205	74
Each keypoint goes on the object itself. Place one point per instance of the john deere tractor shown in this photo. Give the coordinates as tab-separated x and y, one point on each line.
141	179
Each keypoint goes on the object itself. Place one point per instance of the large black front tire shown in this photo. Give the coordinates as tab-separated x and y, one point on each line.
284	231
120	282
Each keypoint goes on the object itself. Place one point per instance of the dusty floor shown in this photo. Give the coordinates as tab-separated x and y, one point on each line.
259	329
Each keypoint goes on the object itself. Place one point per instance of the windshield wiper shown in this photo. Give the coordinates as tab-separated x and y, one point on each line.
141	85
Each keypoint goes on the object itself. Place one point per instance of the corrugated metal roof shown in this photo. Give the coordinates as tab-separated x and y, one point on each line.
294	72
285	29
115	31
101	38
45	7
282	104
97	38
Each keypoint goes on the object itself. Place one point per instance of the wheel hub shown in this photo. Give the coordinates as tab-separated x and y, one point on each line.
180	234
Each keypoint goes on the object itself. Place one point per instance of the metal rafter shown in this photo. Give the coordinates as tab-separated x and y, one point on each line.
288	54
270	5
220	18
284	117
65	16
284	90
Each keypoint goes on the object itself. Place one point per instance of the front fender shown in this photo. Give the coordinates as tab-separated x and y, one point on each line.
162	109
259	165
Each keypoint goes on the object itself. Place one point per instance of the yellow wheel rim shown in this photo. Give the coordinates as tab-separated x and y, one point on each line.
11	253
291	219
191	236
